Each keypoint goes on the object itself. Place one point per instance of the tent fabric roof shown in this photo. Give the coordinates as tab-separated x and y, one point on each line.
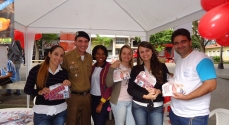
116	17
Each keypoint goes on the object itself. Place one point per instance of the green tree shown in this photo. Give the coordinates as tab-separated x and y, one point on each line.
105	41
160	38
198	41
137	39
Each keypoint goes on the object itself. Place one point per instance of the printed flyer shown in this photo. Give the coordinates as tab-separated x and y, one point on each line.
145	80
120	74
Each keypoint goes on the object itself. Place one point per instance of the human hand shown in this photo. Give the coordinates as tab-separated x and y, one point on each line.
151	96
151	90
116	64
44	91
66	83
180	96
99	107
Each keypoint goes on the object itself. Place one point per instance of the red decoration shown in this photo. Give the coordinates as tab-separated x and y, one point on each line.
223	41
22	43
215	23
210	4
71	46
18	35
64	45
38	36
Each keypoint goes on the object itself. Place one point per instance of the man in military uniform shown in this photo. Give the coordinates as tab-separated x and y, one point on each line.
78	63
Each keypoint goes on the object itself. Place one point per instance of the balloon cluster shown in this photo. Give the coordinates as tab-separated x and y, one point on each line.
214	25
19	36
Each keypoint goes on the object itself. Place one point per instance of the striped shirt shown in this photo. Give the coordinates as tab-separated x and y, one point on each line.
10	67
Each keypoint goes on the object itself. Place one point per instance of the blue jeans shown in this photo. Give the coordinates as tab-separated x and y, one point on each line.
43	119
10	91
177	120
122	112
18	78
144	117
17	67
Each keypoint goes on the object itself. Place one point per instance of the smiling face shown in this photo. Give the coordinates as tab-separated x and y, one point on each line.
56	56
182	45
126	55
81	44
100	57
145	53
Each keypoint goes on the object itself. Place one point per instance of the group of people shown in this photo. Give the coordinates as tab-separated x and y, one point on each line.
10	73
94	92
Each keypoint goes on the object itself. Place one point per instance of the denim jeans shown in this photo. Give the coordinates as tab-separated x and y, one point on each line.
122	112
10	91
17	67
144	117
43	119
18	78
177	120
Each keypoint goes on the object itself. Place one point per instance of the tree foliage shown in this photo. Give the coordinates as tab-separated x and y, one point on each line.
198	42
160	38
49	37
105	41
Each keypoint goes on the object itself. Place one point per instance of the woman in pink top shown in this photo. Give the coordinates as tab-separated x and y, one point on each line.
121	101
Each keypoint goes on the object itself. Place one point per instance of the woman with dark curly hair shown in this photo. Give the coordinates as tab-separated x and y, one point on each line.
100	93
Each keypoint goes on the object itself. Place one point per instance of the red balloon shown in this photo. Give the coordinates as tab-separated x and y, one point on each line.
38	36
18	35
210	4
223	41
215	23
22	43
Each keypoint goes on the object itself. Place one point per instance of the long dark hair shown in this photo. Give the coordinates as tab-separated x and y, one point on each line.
155	64
43	71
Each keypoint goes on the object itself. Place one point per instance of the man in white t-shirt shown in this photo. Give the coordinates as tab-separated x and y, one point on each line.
196	72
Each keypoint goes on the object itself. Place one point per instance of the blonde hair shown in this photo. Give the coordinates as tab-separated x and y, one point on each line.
128	47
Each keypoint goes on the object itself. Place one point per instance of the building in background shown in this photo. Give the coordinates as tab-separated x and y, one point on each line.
116	43
214	50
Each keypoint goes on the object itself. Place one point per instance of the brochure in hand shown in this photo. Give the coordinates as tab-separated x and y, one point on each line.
170	86
120	74
145	80
57	92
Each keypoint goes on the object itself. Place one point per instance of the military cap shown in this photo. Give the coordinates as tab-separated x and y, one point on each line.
82	34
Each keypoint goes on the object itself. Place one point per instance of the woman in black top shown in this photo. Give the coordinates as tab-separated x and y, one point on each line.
147	107
49	73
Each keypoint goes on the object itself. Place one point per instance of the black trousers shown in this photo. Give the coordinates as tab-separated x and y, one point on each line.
99	118
5	81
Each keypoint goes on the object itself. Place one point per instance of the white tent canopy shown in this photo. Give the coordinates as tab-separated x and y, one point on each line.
115	17
106	17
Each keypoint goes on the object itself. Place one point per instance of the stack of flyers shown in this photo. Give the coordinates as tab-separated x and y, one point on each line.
57	92
145	80
168	88
120	74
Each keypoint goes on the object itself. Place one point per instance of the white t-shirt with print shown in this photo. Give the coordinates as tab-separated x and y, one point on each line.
191	71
